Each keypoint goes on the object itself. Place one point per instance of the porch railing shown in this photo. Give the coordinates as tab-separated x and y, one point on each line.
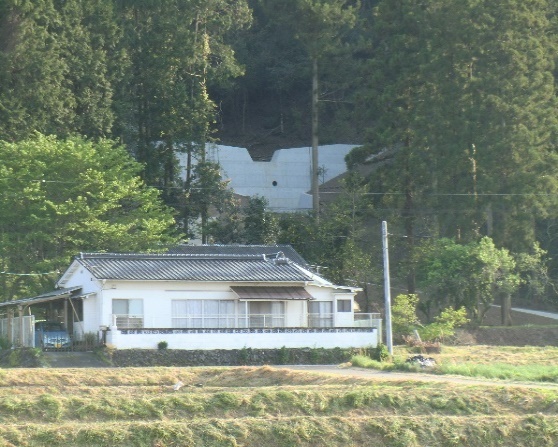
228	321
128	321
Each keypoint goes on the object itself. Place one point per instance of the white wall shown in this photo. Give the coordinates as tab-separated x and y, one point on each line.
240	339
158	295
289	169
92	304
344	319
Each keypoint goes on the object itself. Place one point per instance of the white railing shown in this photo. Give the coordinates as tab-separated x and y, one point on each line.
366	320
127	321
320	320
229	321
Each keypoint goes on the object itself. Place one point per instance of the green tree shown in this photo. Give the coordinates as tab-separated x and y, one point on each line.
444	325
90	38
33	91
462	100
176	48
248	224
404	319
319	26
227	227
471	276
260	226
61	197
58	65
207	191
537	286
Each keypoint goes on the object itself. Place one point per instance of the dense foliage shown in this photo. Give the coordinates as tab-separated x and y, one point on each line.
452	101
64	197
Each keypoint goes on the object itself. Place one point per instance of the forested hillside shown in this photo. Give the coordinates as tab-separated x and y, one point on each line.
452	101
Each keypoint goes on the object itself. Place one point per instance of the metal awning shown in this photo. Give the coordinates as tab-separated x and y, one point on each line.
271	293
49	296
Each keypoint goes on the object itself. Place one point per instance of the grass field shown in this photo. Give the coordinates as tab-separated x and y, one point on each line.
265	406
537	364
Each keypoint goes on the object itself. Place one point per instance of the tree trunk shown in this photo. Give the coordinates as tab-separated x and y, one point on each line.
505	302
314	182
409	222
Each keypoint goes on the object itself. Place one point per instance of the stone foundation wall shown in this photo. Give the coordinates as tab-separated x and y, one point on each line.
233	357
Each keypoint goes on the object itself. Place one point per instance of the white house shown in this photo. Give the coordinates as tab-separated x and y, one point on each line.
203	298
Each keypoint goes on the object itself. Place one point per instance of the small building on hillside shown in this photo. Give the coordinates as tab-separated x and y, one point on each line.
203	298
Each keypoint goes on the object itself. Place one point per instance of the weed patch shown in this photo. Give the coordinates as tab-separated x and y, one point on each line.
529	364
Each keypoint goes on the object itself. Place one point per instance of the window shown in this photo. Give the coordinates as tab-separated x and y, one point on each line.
203	314
344	306
128	312
266	313
320	314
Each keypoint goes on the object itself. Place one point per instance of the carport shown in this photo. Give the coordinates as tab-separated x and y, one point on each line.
18	325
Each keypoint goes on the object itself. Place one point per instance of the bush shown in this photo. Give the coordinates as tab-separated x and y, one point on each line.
284	356
404	320
403	314
244	355
380	353
444	325
5	343
162	345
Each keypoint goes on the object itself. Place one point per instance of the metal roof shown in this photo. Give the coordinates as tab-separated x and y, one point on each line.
49	296
271	293
191	267
268	250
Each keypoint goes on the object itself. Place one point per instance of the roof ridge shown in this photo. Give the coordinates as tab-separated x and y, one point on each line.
170	255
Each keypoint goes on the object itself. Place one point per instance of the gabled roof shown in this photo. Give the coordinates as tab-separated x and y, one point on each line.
191	267
268	250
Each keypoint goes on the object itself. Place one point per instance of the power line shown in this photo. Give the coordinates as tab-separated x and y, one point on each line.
449	194
28	274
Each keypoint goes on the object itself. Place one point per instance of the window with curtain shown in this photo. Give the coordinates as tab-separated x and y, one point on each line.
320	314
129	313
266	313
203	313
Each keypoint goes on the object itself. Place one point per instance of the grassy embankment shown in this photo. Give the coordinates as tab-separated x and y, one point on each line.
262	407
503	362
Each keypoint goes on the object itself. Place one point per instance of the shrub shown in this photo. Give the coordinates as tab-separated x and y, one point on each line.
284	356
444	325
90	340
162	345
403	314
5	343
244	355
380	353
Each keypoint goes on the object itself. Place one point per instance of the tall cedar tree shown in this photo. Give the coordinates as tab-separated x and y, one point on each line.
176	48
58	64
464	97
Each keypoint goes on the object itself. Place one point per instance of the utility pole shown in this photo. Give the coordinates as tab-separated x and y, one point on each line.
387	288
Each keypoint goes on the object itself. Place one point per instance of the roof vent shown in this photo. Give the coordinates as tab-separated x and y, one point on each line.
281	259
